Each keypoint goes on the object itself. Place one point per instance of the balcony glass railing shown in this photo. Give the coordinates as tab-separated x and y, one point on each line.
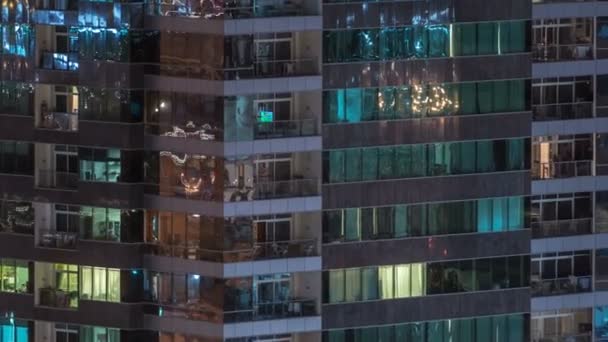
560	286
277	68
563	111
56	179
196	189
273	190
570	52
60	61
233	9
285	129
562	169
257	69
561	228
581	337
295	307
55	239
66	122
259	251
58	298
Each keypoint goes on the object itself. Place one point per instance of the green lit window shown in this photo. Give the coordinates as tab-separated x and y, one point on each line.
423	279
99	283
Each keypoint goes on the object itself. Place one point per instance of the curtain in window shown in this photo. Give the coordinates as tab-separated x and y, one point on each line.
499	214
485	156
439	39
353	105
516	328
336	166
386	103
484	215
516	154
369	100
418	280
386	281
487	43
485	97
369	163
369	283
402	281
353	165
385	162
401	228
468	98
434	331
483	329
86	282
402	161
500	96
512	36
334	106
114	285
465	36
352	292
351	224
336	286
403	103
517	95
516	213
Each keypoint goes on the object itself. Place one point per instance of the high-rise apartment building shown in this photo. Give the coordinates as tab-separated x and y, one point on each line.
303	171
569	199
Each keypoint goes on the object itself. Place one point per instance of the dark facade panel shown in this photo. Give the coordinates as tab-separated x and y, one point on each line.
55	137
427	130
385	312
96	313
402	13
111	134
112	195
57	77
437	70
97	253
421	249
428	189
110	75
17	127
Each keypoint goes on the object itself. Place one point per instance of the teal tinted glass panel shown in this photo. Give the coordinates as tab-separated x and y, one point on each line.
438	159
336	166
351	224
389	103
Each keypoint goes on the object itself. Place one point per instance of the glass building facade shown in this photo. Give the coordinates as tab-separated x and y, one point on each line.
303	171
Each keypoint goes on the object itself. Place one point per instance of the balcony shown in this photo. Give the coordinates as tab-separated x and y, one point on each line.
273	190
571	52
562	169
583	337
277	68
65	122
59	61
55	239
562	111
260	251
286	129
561	228
57	180
57	298
561	286
235	9
295	307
